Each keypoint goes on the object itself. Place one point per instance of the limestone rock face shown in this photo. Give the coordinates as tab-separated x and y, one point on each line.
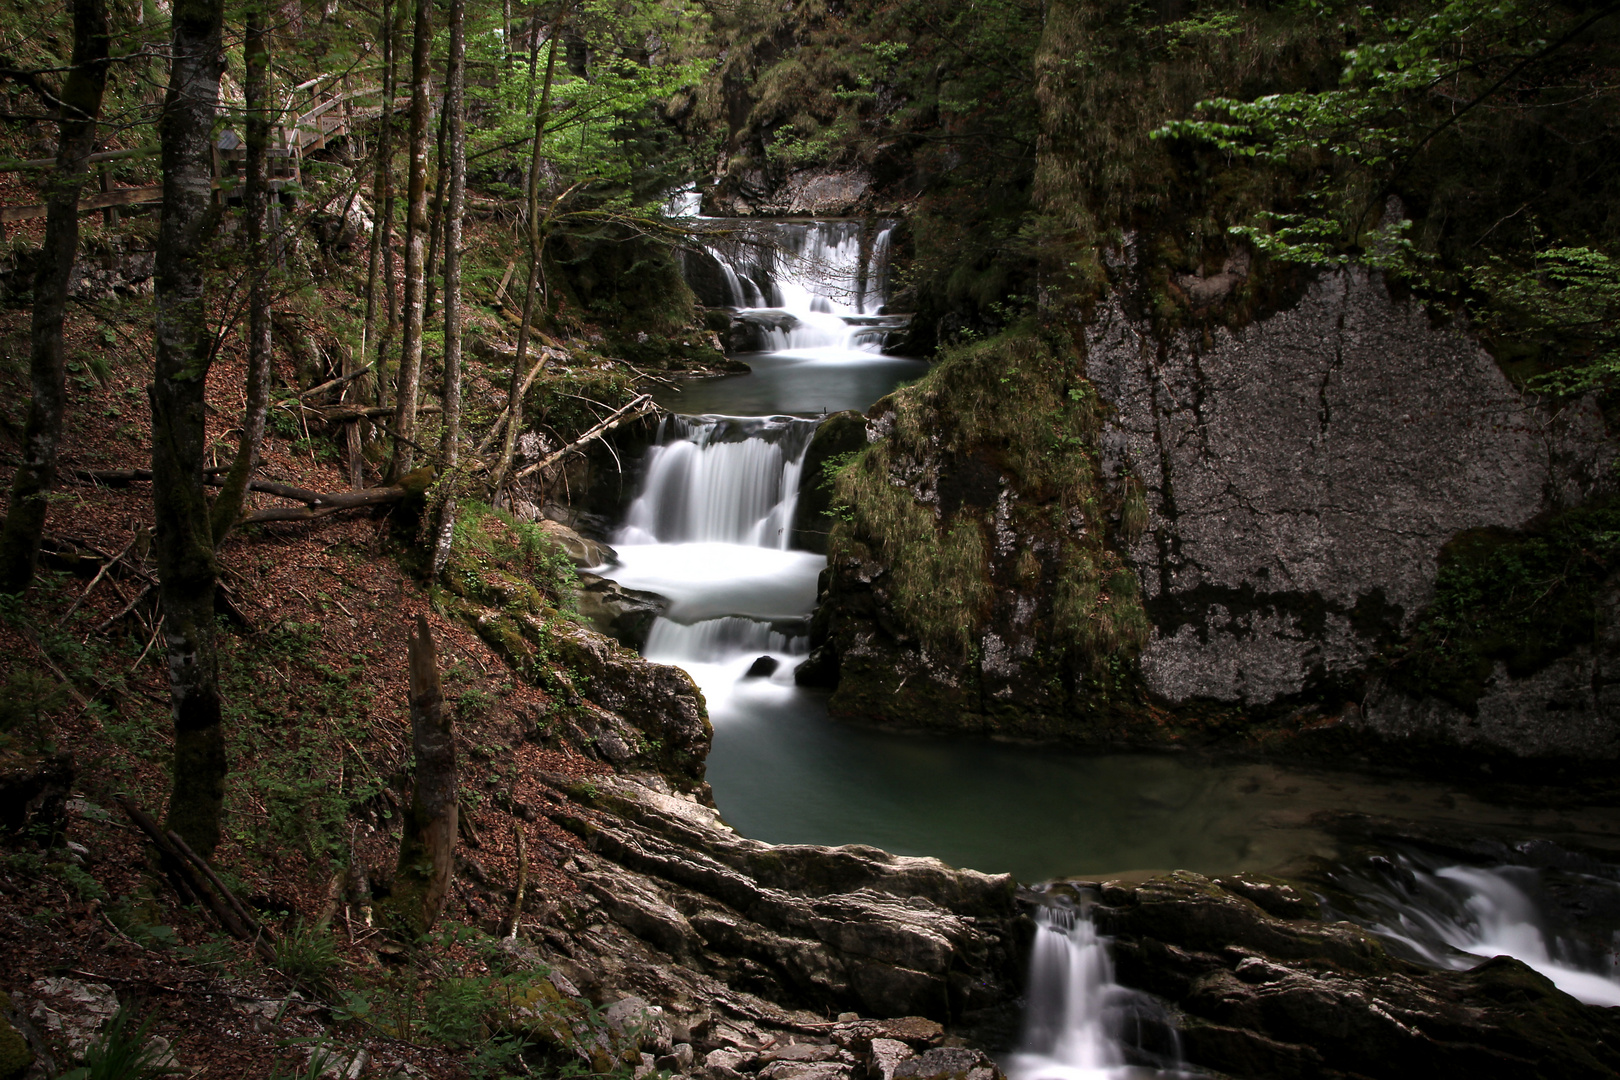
625	615
1303	474
1291	487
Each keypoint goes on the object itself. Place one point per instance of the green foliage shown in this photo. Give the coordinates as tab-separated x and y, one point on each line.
1492	123
487	537
326	1058
26	698
1520	599
309	955
123	1054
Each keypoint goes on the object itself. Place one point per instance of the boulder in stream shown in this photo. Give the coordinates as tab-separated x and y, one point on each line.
626	615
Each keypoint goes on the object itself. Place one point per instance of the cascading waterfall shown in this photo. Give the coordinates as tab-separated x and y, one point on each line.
709	528
720	479
1454	916
1078	1022
810	288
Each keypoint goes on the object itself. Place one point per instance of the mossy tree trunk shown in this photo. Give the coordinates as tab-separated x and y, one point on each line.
80	107
427	842
416	229
256	208
456	197
184	348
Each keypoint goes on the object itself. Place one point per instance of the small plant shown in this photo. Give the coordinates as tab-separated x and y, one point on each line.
326	1058
122	1054
309	956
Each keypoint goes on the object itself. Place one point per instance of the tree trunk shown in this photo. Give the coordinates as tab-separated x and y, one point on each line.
256	208
185	541
514	399
379	231
81	105
427	843
436	208
396	35
410	353
455	105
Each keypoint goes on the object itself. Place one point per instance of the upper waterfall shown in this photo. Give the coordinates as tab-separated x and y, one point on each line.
817	286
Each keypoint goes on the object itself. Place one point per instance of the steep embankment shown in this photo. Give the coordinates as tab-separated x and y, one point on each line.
1205	496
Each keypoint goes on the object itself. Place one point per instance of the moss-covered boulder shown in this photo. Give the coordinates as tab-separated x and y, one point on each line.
839	437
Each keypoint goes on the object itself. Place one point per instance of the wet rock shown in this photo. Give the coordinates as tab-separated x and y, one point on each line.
948	1063
582	551
807	927
762	668
678	1060
625	615
886	1055
819	669
1260	996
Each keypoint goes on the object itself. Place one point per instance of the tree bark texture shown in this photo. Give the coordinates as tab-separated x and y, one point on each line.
410	352
185	539
514	400
455	109
256	209
379	192
428	841
81	106
441	180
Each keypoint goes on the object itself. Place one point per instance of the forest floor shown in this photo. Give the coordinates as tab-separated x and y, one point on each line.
314	619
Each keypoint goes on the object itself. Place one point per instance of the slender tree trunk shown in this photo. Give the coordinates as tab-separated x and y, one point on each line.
386	339
436	209
410	353
427	842
455	105
185	540
81	105
514	407
379	232
256	208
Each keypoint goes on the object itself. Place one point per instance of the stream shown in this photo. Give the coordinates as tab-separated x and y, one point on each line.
709	528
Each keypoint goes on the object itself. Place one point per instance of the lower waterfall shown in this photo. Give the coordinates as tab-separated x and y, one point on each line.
1079	1024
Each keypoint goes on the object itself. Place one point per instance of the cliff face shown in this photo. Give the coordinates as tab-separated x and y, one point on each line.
1302	477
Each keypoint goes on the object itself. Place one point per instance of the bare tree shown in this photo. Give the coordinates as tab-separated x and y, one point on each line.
256	208
185	539
455	107
514	401
410	354
80	107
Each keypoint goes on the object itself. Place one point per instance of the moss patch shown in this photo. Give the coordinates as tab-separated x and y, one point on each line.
1006	415
1524	599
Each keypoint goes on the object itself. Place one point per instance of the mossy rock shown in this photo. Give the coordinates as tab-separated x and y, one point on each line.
15	1054
840	435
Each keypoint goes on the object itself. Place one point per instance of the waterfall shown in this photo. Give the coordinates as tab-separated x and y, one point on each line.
720	479
1454	916
811	288
1079	1024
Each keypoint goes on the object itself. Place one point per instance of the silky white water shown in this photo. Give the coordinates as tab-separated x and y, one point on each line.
1075	1014
1455	916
